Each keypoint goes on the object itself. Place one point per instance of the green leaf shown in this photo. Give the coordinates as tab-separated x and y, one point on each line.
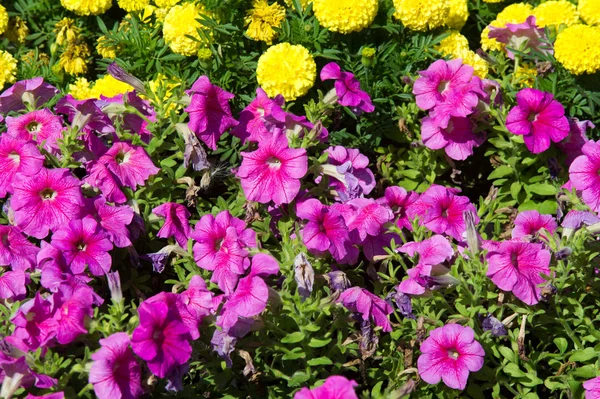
514	371
320	361
500	171
298	378
583	355
318	343
508	353
515	189
561	343
293	338
542	189
585	372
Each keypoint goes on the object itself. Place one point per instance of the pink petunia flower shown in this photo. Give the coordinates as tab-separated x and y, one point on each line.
355	168
325	229
13	285
179	311
365	215
273	171
521	37
539	118
160	339
441	211
198	299
370	306
28	335
347	89
176	222
131	121
41	126
15	250
530	223
518	267
576	139
334	387
55	395
17	156
47	202
113	220
32	91
130	164
106	181
399	200
252	118
85	114
584	174
449	354
592	388
210	115
458	139
115	373
84	244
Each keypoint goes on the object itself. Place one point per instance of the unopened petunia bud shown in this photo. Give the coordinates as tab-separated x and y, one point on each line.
304	275
493	325
473	240
114	285
338	280
120	74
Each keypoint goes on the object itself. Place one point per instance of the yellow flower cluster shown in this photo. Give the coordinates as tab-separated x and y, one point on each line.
133	5
3	19
286	69
261	20
74	59
17	30
421	15
589	11
180	22
345	16
105	49
577	48
105	86
87	7
493	1
457	46
513	14
165	3
457	14
525	76
66	31
8	68
555	13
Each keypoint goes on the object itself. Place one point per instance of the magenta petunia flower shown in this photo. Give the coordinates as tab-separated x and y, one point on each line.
592	388
399	200
55	395
366	216
458	139
221	246
47	202
584	174
84	244
130	164
539	118
179	311
576	139
575	219
518	267
334	387
13	285
115	373
432	252
72	306
441	211
113	220
347	89
160	339
32	91
210	115
530	223
374	246
28	335
370	306
130	121
521	37
41	126
106	181
355	168
252	118
273	171
17	156
85	114
176	222
16	373
15	250
325	229
198	299
449	354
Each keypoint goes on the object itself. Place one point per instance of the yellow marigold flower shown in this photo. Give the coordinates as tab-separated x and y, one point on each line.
262	18
109	87
556	12
513	14
87	7
345	16
457	46
480	66
81	89
105	49
3	19
493	1
66	30
8	68
457	14
303	3
165	3
286	69
17	30
589	11
161	13
180	22
577	48
146	14
453	44
525	76
73	59
133	5
422	15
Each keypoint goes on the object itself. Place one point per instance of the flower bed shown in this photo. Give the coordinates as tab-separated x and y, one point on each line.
326	199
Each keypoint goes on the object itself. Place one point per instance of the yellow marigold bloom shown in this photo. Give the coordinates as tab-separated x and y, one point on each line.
457	46
73	59
81	89
161	13
493	1
109	87
556	12
8	68
453	44
286	69
66	30
262	18
303	3
181	21
146	14
513	14
525	76
165	3
480	66
589	11
3	19
17	30
577	48
133	5
422	15
457	14
87	7
105	49
345	16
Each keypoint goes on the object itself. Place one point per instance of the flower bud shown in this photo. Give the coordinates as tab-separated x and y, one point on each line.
114	285
338	280
304	275
119	73
368	56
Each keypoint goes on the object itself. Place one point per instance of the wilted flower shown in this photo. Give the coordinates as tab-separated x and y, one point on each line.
176	222
120	74
304	275
114	286
338	281
403	302
493	325
223	344
354	166
194	153
370	306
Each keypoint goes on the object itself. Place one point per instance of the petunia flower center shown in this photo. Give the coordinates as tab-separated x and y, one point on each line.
157	336
33	127
122	157
514	259
81	246
48	194
218	244
443	86
4	239
15	157
452	354
274	163
532	117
